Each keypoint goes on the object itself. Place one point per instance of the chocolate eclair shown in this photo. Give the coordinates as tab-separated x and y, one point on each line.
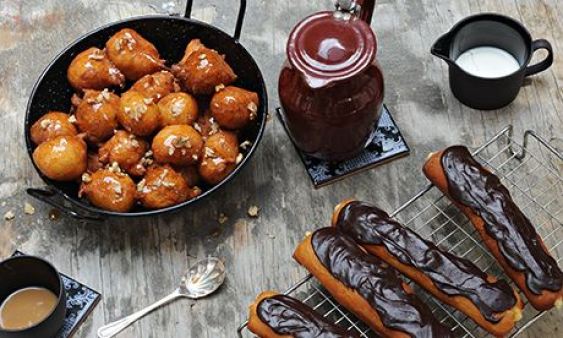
366	286
273	315
491	303
506	231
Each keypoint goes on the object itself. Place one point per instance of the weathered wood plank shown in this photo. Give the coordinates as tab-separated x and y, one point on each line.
136	262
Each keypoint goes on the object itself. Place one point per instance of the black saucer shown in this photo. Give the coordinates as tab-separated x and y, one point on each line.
386	144
80	302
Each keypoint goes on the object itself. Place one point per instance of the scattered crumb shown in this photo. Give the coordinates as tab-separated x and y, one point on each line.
222	218
54	214
28	208
3	203
216	233
9	215
253	211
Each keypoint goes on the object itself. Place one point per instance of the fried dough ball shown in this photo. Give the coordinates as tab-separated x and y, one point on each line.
62	158
51	125
133	54
177	108
138	114
233	107
128	151
96	114
92	69
178	144
201	69
109	189
156	85
162	187
220	157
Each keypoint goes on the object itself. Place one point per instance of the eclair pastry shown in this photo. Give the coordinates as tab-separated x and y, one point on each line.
507	232
491	303
273	315
366	286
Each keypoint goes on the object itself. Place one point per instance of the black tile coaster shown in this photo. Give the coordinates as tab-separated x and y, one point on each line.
387	143
80	301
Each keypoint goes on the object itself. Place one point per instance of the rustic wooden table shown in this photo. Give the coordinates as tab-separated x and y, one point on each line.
133	263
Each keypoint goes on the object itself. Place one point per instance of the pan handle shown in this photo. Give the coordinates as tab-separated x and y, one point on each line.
240	18
50	197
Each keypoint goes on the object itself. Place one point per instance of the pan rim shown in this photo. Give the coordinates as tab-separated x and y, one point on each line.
82	206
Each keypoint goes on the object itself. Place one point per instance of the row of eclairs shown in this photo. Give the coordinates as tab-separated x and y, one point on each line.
359	260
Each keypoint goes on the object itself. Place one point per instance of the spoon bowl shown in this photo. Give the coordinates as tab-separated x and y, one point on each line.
201	280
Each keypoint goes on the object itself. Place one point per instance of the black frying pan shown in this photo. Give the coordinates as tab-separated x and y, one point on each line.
170	35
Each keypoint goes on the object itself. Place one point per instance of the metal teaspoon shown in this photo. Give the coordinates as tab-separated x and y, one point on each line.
201	280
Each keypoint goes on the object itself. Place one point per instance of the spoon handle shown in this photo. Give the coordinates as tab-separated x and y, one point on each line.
111	329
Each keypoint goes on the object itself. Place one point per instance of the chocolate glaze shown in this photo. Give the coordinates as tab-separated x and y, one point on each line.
451	274
377	283
288	316
473	186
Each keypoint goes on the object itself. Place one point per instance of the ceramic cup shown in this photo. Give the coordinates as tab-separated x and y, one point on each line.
20	272
494	32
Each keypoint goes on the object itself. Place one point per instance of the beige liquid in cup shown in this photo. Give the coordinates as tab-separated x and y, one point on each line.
488	62
26	307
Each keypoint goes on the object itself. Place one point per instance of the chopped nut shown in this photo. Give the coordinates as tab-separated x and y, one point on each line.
177	107
203	63
45	123
72	119
252	107
105	94
9	215
244	145
209	152
202	56
86	178
214	128
96	56
253	211
194	157
219	87
114	184
148	100
197	127
307	233
171	151
239	158
222	218
28	208
141	185
114	168
182	142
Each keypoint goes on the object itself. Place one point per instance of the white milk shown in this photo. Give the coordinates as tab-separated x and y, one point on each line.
488	62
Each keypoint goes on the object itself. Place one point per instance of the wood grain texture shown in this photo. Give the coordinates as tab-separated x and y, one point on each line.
136	262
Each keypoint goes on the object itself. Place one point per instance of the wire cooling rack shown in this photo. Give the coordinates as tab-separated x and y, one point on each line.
530	170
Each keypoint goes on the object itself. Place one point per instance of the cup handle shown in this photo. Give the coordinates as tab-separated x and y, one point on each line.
546	63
